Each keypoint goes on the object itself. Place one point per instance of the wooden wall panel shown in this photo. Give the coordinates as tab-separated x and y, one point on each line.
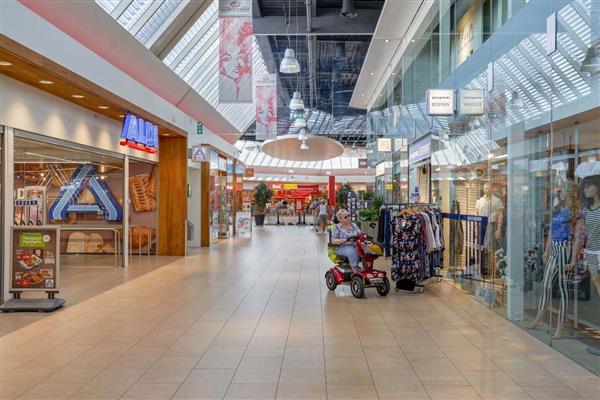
204	202
172	200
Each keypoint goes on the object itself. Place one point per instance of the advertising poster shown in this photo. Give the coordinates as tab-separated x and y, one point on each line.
35	258
266	107
235	51
243	222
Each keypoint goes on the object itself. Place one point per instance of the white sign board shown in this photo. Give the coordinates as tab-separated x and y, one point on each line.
199	154
440	102
471	102
243	223
384	144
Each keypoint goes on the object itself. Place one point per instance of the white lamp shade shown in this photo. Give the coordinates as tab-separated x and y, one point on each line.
299	121
302	135
591	62
304	145
296	103
289	64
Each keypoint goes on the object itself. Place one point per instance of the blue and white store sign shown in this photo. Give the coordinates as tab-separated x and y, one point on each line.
419	150
139	134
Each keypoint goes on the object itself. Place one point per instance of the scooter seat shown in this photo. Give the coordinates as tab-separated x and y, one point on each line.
341	259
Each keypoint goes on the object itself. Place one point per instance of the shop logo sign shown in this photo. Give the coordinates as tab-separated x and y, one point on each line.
139	134
419	150
199	154
440	102
472	102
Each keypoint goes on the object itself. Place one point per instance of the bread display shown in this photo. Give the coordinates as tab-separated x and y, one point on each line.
138	236
139	192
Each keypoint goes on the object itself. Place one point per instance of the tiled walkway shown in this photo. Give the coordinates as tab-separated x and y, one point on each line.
252	318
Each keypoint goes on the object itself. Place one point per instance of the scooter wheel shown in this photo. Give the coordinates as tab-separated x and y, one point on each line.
357	286
330	281
384	288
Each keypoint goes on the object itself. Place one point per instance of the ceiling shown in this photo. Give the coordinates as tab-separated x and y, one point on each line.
330	48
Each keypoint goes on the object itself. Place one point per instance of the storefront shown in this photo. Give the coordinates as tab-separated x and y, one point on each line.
83	172
508	149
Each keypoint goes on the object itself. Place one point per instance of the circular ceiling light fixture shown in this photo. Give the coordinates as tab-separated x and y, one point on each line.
289	63
296	104
304	145
286	147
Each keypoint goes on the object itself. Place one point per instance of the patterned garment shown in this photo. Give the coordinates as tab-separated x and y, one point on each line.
407	247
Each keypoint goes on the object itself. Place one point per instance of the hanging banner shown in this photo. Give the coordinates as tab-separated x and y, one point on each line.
266	107
440	102
235	51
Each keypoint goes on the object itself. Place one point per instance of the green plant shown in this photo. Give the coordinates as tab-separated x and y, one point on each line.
341	195
371	213
368	195
262	195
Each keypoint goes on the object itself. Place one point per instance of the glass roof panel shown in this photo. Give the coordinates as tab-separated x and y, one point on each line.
133	13
157	20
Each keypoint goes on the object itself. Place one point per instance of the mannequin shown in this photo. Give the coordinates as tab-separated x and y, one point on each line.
491	207
558	256
591	200
590	188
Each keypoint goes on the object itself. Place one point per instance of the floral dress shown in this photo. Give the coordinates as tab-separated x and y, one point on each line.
407	249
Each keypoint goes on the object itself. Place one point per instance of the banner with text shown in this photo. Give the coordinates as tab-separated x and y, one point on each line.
266	107
235	51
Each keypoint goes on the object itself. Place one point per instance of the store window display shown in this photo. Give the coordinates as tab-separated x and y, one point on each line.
562	243
490	206
79	190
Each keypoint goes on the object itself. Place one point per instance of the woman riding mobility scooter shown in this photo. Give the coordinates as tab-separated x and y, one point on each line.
342	273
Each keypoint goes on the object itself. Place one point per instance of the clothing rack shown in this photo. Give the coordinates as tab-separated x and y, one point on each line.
426	256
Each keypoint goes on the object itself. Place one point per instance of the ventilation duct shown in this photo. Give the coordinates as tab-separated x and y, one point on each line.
348	10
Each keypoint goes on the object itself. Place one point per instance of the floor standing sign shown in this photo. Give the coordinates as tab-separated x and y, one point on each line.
243	223
34	266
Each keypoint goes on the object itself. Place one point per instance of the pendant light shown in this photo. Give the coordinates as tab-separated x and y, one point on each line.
302	135
348	9
516	101
289	64
299	121
591	62
296	104
304	145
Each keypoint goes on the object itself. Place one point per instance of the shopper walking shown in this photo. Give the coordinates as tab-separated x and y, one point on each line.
314	208
323	216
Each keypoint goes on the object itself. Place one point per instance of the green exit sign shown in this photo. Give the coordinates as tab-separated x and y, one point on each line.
199	128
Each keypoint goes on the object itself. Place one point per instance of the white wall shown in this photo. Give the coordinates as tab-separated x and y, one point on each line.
27	108
194	205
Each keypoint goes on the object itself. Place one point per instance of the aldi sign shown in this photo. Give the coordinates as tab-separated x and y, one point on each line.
139	134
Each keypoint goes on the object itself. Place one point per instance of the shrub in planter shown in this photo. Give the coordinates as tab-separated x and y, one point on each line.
262	195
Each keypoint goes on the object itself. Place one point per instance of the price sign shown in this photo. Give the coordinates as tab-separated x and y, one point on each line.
35	257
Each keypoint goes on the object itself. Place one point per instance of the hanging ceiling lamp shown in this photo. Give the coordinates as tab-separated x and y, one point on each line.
348	10
304	145
591	62
299	120
289	64
516	101
302	134
296	104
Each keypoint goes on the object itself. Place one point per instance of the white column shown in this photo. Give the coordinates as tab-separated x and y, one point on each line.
125	239
7	201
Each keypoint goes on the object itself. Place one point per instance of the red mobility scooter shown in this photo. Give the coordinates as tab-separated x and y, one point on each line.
367	277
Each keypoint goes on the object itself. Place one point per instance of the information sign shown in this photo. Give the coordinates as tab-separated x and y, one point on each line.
35	258
243	222
440	102
472	102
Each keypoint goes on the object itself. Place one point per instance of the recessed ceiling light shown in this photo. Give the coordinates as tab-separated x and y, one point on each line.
5	64
372	73
412	41
362	95
78	96
387	40
121	116
45	82
103	107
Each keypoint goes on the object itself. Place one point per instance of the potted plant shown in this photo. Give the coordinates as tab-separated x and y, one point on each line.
342	195
262	195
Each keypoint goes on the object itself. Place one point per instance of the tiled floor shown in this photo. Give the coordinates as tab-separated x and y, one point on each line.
252	319
80	283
